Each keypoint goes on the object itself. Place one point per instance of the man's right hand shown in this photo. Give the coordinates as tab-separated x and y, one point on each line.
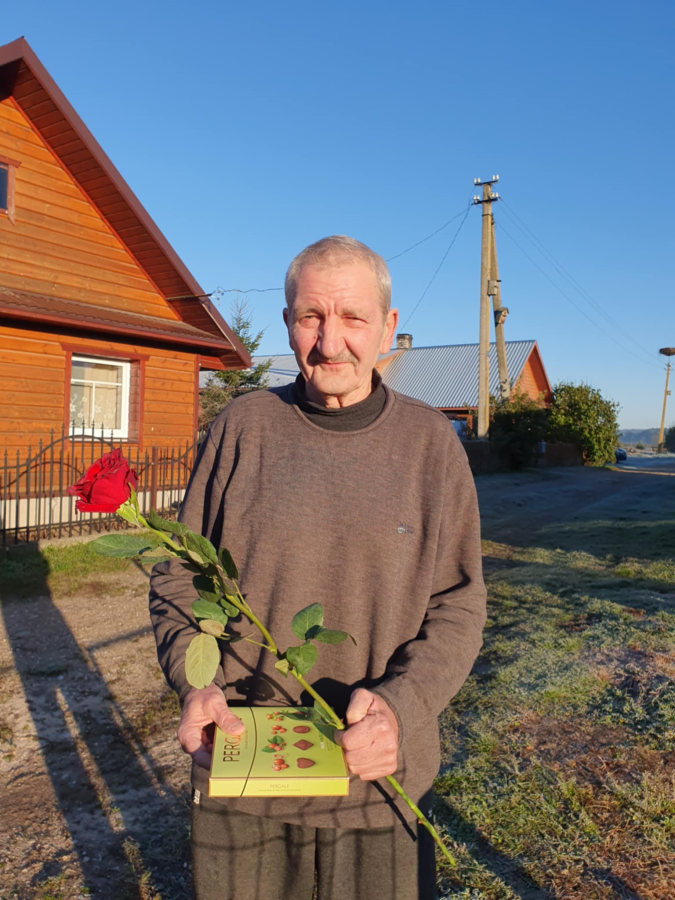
201	708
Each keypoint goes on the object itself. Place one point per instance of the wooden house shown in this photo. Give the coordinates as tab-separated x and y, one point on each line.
102	327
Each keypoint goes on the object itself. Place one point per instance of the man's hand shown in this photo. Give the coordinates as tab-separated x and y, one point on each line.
371	740
201	708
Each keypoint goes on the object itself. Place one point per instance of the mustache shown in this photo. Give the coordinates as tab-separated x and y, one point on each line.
314	358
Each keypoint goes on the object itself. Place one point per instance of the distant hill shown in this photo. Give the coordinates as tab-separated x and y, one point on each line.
647	436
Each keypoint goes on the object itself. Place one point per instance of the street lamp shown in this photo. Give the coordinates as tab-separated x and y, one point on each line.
665	351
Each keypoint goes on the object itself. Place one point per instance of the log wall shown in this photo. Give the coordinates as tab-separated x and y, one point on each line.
59	244
35	395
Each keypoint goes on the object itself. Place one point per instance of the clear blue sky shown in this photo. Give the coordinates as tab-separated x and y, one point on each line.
249	130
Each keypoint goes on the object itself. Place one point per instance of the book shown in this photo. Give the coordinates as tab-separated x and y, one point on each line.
284	751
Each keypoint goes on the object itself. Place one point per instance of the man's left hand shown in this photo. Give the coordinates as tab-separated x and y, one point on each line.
370	741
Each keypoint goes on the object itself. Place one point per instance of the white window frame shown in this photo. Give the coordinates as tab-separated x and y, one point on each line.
121	433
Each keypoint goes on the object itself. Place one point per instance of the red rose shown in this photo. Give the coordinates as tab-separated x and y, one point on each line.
106	485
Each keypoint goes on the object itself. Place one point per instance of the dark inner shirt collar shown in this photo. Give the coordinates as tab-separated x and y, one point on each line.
345	418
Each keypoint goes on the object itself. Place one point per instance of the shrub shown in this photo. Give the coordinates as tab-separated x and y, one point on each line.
639	446
223	386
669	439
518	426
580	415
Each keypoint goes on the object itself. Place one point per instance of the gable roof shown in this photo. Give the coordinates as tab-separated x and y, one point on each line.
445	377
24	78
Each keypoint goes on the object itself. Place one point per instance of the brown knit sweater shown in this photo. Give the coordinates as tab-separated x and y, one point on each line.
381	526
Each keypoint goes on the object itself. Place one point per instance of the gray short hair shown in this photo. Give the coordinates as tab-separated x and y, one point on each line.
338	249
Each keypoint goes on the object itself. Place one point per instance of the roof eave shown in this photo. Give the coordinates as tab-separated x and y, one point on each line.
196	344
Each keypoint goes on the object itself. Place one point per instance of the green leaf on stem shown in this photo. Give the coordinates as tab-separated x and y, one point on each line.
282	666
268	750
197	544
203	609
149	559
303	657
322	714
195	558
233	638
229	589
201	660
229	608
122	545
210	626
228	563
327	635
207	589
306	619
128	512
166	525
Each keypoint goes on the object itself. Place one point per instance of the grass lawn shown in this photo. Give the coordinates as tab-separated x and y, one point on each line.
60	569
559	779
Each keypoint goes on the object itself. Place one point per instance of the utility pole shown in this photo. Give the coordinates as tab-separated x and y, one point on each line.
500	313
485	277
665	351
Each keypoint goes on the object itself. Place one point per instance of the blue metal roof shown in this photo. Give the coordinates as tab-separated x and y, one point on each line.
445	377
284	369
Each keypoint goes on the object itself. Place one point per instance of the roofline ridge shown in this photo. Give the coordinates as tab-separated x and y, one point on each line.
406	349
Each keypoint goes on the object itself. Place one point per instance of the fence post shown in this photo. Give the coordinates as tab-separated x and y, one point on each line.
153	478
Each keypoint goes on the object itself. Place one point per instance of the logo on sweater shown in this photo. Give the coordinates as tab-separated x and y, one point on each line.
404	529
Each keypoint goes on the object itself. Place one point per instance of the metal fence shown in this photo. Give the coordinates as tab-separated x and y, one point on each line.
34	503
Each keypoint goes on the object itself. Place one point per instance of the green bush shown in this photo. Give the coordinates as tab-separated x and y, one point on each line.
580	415
669	439
518	426
639	446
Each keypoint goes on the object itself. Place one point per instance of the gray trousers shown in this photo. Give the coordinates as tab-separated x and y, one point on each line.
240	857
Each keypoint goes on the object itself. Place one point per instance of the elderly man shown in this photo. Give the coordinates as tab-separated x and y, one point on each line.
338	490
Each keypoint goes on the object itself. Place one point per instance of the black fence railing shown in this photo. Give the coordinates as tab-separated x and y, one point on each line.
34	503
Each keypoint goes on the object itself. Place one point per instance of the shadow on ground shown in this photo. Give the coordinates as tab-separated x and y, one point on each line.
109	794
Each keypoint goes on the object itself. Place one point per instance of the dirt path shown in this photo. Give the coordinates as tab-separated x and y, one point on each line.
93	785
93	781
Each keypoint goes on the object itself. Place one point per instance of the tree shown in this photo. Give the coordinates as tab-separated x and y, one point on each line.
669	439
518	426
224	386
580	415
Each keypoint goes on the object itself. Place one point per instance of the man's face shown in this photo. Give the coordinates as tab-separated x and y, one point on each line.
337	329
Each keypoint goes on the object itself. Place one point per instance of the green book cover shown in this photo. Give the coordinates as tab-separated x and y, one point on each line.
284	751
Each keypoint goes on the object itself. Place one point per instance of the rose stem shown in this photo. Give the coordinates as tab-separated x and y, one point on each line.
421	818
241	604
339	724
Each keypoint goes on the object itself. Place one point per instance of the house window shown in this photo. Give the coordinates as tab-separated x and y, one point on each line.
99	397
8	169
4	187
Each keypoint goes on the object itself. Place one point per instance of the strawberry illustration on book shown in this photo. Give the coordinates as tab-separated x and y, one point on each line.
312	765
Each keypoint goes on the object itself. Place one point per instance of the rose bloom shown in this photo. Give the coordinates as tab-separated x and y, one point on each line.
106	485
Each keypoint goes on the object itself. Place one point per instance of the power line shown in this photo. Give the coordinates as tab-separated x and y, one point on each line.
558	266
220	290
428	237
570	300
433	277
